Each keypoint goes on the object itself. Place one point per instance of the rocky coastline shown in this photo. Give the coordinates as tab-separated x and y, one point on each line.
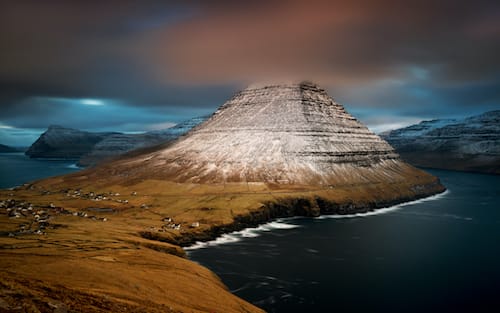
291	207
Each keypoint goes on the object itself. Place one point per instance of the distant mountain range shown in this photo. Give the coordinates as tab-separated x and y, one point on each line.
118	144
65	143
90	148
8	149
469	144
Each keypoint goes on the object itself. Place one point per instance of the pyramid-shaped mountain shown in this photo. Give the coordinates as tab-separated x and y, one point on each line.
282	134
269	152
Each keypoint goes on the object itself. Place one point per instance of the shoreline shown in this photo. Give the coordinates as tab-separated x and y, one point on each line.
291	207
280	223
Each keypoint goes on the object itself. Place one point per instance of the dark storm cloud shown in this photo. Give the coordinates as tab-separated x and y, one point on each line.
164	61
80	48
337	42
91	49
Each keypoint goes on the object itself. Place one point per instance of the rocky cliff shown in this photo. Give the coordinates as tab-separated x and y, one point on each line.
64	143
470	144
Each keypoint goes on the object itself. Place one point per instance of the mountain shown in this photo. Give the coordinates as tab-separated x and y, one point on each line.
113	234
64	143
469	144
117	144
283	134
90	148
7	149
292	134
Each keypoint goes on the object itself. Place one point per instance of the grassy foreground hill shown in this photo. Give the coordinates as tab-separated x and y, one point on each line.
93	247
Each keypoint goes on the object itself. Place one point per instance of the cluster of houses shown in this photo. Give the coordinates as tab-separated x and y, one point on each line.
35	219
93	196
170	224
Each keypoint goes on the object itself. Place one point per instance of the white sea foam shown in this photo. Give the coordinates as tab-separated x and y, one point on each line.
245	233
385	210
73	166
281	224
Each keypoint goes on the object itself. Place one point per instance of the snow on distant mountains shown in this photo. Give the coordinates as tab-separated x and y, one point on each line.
469	144
118	144
91	148
64	143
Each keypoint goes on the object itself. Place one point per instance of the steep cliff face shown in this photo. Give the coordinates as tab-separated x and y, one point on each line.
118	144
470	144
65	143
291	134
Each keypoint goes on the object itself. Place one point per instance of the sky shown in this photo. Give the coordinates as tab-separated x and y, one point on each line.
134	66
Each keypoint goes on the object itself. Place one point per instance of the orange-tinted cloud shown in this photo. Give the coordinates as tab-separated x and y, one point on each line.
419	58
337	42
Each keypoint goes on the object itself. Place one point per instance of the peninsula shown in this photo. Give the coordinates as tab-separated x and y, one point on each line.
110	238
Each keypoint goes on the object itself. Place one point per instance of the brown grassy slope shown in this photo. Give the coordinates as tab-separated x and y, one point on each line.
131	261
91	265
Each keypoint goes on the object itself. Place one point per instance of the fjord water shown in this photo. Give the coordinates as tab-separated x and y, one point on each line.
437	255
17	168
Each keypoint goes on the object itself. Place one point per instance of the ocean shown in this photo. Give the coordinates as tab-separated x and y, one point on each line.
440	254
437	254
17	168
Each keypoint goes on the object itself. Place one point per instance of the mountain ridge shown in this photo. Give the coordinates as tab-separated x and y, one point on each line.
66	143
90	148
118	144
467	144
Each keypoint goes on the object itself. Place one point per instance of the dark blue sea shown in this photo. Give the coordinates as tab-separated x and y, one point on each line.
17	168
438	255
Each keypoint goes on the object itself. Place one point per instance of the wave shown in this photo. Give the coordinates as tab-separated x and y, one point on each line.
253	232
245	233
385	210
